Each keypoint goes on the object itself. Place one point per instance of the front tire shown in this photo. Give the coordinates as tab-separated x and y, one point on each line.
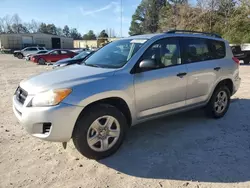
219	102
100	131
20	56
41	61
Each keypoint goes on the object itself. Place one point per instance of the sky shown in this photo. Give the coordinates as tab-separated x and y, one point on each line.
84	15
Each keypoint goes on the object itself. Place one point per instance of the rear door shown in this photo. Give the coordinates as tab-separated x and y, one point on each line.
202	57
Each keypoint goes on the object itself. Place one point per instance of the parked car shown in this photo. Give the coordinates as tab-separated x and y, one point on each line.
127	82
70	61
240	54
28	56
52	56
29	50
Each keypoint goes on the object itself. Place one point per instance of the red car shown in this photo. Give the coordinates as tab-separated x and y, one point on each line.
52	56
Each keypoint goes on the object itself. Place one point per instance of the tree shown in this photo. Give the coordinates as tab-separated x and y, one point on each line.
43	28
51	29
66	31
103	34
6	23
75	34
89	36
182	16
59	31
146	17
32	26
16	23
175	2
19	28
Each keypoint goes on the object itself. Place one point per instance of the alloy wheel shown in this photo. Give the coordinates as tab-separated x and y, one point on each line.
221	102
103	133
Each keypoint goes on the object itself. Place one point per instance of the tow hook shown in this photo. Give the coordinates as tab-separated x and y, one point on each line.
64	145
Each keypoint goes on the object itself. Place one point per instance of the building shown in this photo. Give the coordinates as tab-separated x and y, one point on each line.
19	41
92	43
85	43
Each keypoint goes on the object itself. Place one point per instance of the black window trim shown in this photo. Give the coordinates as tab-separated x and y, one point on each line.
207	41
135	69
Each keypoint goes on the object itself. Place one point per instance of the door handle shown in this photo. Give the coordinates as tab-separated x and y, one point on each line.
217	68
181	74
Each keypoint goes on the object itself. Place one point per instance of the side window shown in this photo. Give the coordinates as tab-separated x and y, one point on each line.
165	52
196	49
54	52
64	52
32	49
27	49
218	48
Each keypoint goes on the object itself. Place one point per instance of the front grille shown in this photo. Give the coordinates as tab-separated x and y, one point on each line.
21	95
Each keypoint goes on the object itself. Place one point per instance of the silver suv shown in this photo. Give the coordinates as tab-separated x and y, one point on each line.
126	82
29	50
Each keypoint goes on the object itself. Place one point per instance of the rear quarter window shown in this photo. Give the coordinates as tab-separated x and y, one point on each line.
218	49
201	49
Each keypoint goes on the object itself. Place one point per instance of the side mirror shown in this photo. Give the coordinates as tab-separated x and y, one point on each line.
147	64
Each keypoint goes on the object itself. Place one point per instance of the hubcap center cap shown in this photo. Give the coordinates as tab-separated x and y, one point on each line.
103	133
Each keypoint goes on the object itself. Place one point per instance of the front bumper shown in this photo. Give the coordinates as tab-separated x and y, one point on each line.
61	118
27	58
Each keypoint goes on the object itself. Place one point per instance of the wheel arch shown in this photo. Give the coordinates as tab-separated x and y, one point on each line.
227	82
115	101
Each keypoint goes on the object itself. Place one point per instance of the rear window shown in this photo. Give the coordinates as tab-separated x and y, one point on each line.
41	48
199	49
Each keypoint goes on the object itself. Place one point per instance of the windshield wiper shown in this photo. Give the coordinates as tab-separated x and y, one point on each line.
91	65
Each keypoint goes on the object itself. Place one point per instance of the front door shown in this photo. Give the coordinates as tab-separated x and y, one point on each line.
164	88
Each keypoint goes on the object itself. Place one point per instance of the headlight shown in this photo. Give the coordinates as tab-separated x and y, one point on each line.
51	97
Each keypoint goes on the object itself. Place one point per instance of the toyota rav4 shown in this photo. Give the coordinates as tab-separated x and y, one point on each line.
127	82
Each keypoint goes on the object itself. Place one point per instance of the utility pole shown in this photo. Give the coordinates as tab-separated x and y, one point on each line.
121	18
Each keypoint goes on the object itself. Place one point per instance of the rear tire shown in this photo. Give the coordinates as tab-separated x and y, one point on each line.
92	130
41	61
219	102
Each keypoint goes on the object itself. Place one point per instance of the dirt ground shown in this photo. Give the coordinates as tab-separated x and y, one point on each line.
186	150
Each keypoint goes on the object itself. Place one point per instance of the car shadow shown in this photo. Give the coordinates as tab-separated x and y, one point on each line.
189	146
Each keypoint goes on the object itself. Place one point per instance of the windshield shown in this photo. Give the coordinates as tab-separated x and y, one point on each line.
81	55
115	54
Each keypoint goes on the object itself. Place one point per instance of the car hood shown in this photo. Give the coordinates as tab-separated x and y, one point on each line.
66	77
17	51
65	61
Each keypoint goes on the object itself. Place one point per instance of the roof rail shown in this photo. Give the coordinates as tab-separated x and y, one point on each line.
197	32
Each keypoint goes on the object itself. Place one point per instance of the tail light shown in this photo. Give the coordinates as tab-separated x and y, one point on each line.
236	60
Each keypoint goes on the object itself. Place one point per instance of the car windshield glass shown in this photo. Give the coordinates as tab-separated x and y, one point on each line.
115	54
81	55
